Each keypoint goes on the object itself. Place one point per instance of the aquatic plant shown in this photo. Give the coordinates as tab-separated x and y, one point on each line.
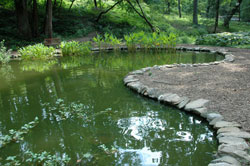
38	51
75	48
17	135
4	53
99	41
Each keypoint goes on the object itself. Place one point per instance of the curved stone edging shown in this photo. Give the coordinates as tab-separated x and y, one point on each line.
233	148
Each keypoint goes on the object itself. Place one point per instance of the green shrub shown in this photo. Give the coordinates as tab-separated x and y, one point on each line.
225	39
4	53
75	48
38	51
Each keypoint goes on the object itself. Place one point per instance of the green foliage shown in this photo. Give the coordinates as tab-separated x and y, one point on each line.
38	51
98	40
17	135
150	40
4	53
75	48
225	39
46	159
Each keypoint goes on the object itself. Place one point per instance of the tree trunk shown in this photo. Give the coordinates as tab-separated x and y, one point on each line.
48	22
95	4
141	15
209	4
35	19
217	8
22	18
168	3
195	12
72	2
231	13
179	8
54	5
106	11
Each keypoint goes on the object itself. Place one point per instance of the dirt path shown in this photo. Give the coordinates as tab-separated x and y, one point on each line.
226	85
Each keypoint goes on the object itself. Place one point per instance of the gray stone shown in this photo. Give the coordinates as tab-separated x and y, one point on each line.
220	164
229	58
196	104
173	99
239	134
212	116
222	124
227	159
146	69
137	86
228	129
130	78
230	140
215	120
235	153
137	72
199	111
236	145
183	103
153	93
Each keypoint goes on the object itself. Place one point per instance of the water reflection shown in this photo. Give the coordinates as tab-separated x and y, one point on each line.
98	110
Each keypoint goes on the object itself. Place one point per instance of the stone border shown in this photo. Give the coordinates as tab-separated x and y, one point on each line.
233	149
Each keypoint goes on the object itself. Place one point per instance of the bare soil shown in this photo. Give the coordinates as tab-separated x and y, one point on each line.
226	85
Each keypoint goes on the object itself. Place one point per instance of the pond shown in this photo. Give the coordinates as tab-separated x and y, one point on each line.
86	113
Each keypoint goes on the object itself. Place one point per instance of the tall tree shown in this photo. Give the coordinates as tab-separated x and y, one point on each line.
95	4
179	8
48	22
35	19
22	18
231	13
217	15
195	12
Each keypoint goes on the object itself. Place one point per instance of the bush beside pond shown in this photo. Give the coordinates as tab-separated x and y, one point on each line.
225	39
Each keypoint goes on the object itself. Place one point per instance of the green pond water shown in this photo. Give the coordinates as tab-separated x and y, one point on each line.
87	113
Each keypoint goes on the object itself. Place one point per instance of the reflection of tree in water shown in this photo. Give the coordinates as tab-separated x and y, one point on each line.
6	73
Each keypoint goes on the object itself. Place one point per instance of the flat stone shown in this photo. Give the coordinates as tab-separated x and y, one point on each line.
222	124
228	129
183	103
199	111
137	86
146	69
220	164
239	134
235	153
137	72
230	140
173	99
215	120
196	104
227	159
236	145
153	93
212	116
130	78
229	58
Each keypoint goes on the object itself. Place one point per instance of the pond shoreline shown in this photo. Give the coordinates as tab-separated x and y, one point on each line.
217	91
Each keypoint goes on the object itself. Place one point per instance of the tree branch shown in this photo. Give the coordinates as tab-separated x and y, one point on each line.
106	11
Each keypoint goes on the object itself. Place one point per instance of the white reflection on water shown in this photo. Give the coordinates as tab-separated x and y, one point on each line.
146	156
139	127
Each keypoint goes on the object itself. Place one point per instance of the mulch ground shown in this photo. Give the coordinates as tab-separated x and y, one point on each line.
226	85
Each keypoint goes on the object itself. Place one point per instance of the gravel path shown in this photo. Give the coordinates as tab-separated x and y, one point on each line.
226	85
